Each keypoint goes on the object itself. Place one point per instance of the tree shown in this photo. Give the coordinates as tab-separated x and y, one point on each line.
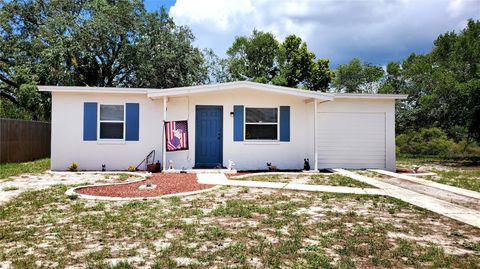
260	58
89	43
165	56
296	61
254	57
298	67
217	68
443	86
356	76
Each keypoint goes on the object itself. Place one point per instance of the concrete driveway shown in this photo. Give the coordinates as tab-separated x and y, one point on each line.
444	200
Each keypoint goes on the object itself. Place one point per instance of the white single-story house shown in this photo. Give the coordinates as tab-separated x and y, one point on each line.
248	123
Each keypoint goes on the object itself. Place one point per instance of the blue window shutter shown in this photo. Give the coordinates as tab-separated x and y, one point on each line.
238	123
89	121
132	121
284	123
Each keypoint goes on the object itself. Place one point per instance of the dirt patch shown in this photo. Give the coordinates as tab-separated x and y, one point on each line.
165	184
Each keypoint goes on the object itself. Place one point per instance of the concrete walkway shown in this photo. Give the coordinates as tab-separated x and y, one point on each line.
457	212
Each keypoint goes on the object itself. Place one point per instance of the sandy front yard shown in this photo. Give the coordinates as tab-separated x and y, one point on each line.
14	185
246	227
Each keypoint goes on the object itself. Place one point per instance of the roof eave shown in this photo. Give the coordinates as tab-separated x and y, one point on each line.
371	96
159	93
73	89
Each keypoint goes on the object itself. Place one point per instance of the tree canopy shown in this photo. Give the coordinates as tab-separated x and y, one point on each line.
443	86
119	43
356	76
261	58
89	43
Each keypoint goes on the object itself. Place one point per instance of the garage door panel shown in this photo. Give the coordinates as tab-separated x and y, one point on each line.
351	140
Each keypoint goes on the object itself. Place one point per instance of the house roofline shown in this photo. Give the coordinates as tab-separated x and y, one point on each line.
235	85
86	89
160	93
369	96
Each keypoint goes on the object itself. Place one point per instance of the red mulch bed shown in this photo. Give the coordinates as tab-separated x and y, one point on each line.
166	184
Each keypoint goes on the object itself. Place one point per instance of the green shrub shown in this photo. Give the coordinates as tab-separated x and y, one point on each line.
73	167
433	142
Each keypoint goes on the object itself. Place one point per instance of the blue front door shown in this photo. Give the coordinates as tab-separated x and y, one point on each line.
208	136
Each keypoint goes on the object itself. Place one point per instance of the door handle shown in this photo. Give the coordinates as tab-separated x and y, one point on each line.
219	135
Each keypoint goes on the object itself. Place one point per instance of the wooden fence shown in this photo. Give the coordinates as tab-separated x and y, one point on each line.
22	140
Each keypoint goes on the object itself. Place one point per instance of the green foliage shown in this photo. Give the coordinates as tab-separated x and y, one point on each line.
253	58
89	43
443	86
73	167
433	141
261	58
356	76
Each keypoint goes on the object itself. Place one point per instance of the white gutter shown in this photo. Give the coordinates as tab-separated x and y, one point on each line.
164	149
369	96
315	135
76	89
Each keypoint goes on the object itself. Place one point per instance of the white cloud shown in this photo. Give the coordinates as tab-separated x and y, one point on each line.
376	31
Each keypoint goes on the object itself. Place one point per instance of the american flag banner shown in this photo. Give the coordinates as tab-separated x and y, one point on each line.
176	133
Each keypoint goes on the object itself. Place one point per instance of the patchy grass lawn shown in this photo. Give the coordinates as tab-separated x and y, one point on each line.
231	227
331	179
463	174
13	169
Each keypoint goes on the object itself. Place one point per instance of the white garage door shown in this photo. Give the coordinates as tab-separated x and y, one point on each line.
351	140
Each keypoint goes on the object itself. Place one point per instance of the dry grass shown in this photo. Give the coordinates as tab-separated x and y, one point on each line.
331	179
234	227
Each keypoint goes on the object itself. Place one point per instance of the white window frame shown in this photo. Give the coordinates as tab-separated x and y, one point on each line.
112	121
260	123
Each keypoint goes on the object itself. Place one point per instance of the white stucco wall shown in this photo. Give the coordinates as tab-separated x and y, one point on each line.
245	154
67	133
68	144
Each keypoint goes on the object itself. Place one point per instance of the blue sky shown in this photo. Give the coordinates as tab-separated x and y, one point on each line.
156	4
376	31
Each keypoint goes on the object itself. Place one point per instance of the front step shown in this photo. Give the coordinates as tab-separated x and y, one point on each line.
201	171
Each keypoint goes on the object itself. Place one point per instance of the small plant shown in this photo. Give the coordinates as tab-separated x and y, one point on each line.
132	168
72	196
10	188
73	167
123	176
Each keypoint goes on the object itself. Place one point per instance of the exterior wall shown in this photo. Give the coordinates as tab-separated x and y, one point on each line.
67	133
369	105
246	154
68	144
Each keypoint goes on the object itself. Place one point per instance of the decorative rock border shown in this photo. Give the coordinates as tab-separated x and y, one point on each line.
71	192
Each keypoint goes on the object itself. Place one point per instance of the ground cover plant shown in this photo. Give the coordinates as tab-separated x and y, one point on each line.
13	169
236	227
331	179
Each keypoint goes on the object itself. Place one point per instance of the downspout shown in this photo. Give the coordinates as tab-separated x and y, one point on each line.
164	150
315	135
315	113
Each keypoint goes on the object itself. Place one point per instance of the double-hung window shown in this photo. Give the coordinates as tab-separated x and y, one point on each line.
112	122
261	123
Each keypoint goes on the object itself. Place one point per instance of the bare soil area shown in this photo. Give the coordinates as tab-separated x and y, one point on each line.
240	227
